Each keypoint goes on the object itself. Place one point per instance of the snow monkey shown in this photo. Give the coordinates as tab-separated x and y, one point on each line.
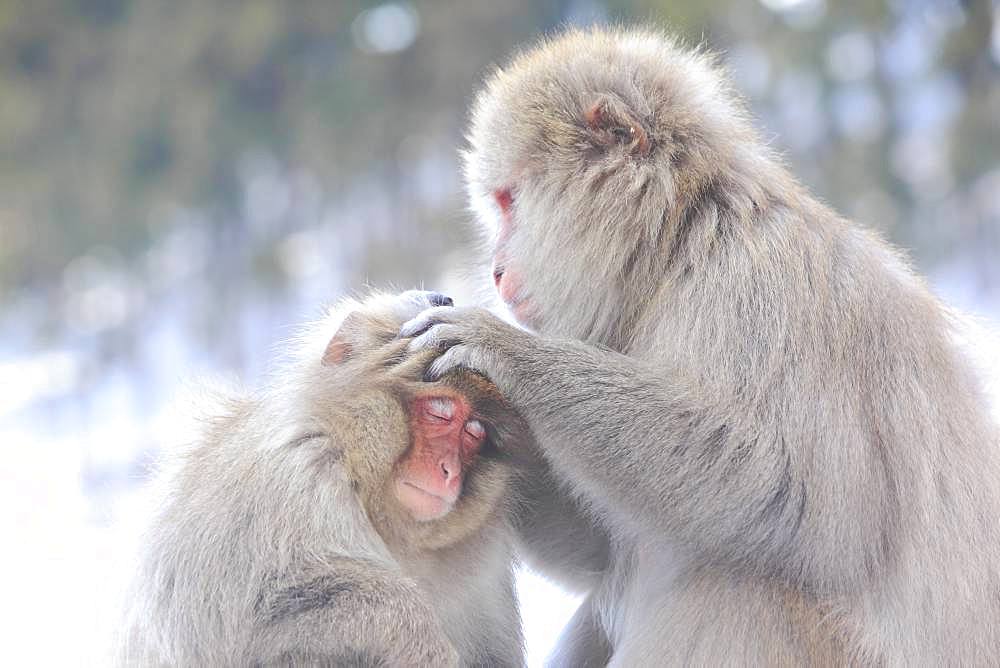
348	515
785	458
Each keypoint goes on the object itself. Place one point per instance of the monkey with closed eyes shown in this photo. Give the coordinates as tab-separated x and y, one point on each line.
348	515
769	448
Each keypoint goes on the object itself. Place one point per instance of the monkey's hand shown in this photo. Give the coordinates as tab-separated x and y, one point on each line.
466	337
395	362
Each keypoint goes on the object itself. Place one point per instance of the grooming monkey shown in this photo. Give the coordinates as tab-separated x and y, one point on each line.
349	515
755	404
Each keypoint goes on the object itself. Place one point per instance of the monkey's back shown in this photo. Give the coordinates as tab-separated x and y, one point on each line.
240	512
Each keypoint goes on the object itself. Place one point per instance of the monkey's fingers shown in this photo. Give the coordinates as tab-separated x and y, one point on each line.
460	357
403	364
426	320
439	337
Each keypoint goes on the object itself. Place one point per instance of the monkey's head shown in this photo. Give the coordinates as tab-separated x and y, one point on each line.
586	156
430	461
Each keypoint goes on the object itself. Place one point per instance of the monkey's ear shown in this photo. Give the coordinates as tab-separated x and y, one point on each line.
336	351
340	346
610	124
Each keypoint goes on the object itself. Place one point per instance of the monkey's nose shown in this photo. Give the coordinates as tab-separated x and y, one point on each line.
451	469
438	299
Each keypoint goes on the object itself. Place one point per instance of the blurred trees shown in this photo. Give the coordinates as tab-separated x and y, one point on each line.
121	120
115	113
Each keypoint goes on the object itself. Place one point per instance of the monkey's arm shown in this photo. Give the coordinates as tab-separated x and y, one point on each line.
658	449
556	536
350	612
583	643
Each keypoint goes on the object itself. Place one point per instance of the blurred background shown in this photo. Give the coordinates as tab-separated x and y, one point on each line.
182	181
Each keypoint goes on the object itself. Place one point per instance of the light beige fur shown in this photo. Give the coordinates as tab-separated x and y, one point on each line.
277	542
756	404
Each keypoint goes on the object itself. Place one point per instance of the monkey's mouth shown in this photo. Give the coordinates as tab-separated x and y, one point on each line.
520	306
421	503
523	310
508	284
511	291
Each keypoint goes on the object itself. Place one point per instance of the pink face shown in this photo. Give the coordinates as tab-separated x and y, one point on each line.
505	277
445	441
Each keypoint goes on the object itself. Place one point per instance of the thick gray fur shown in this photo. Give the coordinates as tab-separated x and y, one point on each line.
273	547
760	407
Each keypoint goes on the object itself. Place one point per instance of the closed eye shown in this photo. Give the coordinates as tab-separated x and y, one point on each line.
442	410
475	429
